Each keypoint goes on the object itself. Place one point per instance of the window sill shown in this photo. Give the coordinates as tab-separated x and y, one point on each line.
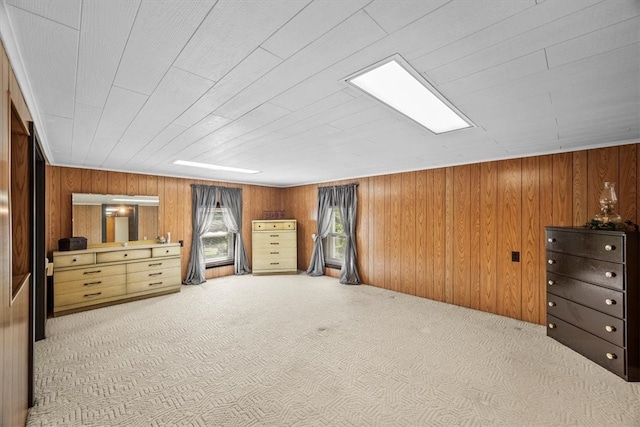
333	265
218	264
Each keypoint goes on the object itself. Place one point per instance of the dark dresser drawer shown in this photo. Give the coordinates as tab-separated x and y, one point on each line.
600	246
596	349
593	296
606	327
586	269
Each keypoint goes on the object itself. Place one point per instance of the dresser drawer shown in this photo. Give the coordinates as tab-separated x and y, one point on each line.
127	255
88	273
90	295
587	244
61	261
275	264
152	275
154	283
168	251
589	270
596	349
600	324
89	284
153	264
275	252
274	239
586	294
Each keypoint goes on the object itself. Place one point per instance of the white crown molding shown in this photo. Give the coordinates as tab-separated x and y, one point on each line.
7	35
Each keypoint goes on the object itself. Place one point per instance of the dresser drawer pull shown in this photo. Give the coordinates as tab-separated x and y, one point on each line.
552	304
552	325
93	283
609	274
155	274
551	261
610	301
551	282
609	248
551	240
154	264
611	356
274	235
274	263
125	255
75	259
274	243
92	295
609	328
155	283
92	272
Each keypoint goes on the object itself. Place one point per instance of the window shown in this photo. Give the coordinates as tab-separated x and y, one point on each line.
334	243
218	242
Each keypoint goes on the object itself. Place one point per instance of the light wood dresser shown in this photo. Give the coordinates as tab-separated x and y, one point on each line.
109	275
274	245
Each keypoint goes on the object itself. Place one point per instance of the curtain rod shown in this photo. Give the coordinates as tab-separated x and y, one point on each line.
344	185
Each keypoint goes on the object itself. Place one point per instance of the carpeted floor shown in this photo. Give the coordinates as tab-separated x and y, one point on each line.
296	350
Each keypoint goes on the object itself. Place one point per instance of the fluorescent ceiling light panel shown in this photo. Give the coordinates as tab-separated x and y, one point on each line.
400	89
213	167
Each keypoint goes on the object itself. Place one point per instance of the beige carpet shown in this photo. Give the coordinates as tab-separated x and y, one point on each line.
296	350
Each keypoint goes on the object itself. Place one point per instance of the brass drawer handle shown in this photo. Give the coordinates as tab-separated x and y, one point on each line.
155	264
610	328
155	283
609	248
274	263
551	240
609	274
552	304
93	283
274	253
274	243
126	255
551	261
92	295
611	356
74	259
155	274
551	282
552	325
92	272
610	301
274	235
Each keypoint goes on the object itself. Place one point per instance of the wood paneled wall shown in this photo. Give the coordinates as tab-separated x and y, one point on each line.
448	234
14	300
175	204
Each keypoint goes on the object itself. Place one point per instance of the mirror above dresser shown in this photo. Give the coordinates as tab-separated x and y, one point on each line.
106	218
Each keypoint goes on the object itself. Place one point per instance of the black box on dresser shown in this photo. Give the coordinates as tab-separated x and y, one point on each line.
593	295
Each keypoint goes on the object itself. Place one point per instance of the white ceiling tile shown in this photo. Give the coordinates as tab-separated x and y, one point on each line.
102	42
310	23
66	12
60	129
258	63
121	108
158	36
596	42
231	32
149	153
395	14
85	124
50	60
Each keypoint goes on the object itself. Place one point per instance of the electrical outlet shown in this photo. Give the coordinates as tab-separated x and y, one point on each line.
515	256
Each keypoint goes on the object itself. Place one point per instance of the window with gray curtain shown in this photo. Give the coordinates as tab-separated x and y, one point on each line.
204	201
336	202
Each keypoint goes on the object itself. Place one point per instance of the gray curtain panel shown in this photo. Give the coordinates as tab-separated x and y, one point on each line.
231	199
346	200
203	200
325	203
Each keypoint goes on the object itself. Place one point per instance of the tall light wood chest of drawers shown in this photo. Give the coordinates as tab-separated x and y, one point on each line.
107	275
274	246
593	296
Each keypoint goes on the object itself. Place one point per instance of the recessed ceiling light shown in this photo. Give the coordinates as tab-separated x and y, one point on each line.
213	167
402	88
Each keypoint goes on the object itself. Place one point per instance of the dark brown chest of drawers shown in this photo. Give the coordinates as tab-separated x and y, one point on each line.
593	296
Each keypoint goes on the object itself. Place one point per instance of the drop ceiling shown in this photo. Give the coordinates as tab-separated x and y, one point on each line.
132	85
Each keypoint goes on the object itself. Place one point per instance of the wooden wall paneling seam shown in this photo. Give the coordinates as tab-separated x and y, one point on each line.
489	236
579	192
421	234
531	240
449	236
461	235
407	230
439	232
431	222
475	194
379	231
